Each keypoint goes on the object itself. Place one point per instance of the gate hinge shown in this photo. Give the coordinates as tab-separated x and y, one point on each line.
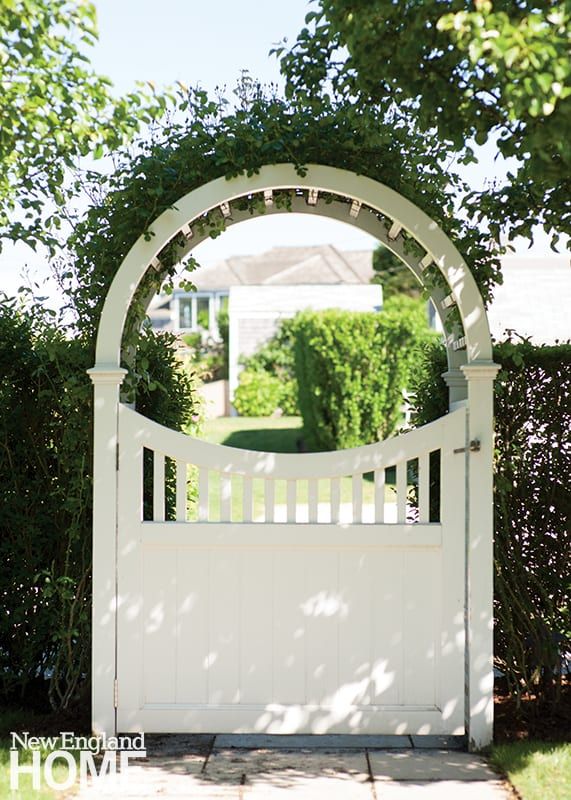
115	694
117	457
473	447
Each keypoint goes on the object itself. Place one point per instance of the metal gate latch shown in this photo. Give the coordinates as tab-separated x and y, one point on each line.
473	447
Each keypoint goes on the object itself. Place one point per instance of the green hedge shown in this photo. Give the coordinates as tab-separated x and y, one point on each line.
532	545
351	369
274	359
258	394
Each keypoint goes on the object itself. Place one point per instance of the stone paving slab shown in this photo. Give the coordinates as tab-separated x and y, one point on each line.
333	741
311	788
152	781
429	765
174	764
275	769
196	770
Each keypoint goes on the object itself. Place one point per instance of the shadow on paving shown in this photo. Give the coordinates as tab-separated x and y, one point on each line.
285	763
265	767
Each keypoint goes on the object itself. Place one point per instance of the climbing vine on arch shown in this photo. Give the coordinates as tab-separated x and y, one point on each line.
204	139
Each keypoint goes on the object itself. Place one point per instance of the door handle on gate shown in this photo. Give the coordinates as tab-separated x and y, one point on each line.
473	447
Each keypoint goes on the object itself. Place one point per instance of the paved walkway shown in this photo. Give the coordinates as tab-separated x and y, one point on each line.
341	768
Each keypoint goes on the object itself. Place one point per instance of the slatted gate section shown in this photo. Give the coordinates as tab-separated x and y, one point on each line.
280	593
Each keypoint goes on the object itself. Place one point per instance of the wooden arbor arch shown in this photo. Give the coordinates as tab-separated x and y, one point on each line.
389	217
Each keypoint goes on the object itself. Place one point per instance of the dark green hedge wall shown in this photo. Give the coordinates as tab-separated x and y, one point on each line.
532	504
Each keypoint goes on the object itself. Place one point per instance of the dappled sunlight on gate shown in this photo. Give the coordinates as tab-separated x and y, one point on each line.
288	627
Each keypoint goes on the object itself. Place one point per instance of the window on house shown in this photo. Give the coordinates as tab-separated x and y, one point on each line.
185	313
203	312
194	313
223	302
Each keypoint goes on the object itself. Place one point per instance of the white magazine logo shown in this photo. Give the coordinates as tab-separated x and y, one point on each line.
103	761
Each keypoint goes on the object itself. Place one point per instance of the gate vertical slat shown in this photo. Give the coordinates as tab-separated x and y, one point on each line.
335	500
401	491
269	505
247	511
357	489
424	487
181	491
203	495
225	498
158	487
379	495
312	500
291	500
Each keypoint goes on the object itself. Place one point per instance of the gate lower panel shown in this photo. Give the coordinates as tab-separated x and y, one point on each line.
341	631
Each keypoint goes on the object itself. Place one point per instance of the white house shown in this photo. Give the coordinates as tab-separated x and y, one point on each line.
184	312
534	299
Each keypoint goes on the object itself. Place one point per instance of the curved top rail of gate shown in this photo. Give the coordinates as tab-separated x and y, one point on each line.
286	466
347	485
358	200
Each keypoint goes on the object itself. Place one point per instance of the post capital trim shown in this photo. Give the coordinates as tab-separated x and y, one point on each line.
107	374
454	378
480	371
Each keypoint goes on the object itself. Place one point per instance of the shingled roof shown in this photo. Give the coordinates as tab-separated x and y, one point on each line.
534	299
323	264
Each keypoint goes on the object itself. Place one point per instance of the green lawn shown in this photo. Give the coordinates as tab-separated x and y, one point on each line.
274	435
18	721
538	770
25	789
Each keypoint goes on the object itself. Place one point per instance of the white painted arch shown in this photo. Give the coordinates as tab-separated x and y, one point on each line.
380	211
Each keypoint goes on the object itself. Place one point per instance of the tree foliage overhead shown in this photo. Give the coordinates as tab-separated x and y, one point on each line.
468	70
54	109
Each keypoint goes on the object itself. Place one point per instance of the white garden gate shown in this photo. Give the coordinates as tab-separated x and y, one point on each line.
299	597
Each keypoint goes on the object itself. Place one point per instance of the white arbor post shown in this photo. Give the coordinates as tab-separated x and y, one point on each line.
479	577
456	383
106	381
